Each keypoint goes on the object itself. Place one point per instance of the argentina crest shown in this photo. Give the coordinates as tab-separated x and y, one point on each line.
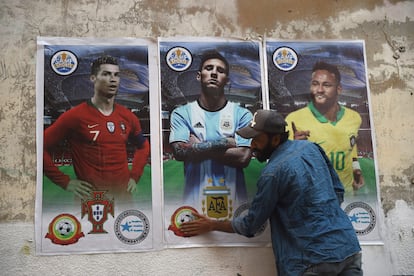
217	203
226	124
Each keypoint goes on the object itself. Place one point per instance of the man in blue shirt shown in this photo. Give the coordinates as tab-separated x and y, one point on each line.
300	193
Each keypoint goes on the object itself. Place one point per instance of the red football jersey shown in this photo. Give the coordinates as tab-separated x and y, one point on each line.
98	145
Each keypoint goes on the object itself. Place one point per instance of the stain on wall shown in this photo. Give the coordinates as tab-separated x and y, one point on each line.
263	15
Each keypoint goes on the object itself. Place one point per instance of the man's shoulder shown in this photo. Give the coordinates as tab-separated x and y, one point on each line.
182	107
76	109
285	155
298	112
73	115
122	109
351	115
297	146
350	111
238	107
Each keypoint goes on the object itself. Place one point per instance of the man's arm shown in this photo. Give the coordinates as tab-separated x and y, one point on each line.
223	150
187	147
51	138
358	181
79	187
203	224
141	155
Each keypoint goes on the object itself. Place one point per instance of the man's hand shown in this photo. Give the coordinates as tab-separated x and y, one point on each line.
202	224
132	185
79	187
358	180
300	134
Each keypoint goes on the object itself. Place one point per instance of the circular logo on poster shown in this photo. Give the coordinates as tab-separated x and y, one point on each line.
285	58
181	215
64	63
242	211
179	59
131	227
362	217
64	229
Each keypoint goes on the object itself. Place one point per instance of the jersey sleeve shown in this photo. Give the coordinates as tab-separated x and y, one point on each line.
142	149
245	119
140	160
179	125
53	135
358	122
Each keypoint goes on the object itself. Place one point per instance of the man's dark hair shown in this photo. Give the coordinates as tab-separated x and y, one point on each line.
214	55
321	65
102	60
284	136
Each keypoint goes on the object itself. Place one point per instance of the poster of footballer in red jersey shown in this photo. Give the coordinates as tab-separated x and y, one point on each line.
322	90
95	100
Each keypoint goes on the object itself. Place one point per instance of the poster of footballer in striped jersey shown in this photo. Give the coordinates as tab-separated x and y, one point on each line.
210	88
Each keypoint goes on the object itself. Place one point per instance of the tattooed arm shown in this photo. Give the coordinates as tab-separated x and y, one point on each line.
223	150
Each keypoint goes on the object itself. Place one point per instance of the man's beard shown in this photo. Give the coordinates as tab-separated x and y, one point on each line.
264	154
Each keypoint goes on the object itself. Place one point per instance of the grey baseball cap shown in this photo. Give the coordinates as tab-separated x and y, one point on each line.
269	121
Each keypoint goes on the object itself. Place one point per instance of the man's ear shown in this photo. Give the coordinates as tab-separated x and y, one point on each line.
276	140
339	89
198	77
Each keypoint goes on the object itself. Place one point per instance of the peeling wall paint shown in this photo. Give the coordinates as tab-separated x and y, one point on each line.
386	26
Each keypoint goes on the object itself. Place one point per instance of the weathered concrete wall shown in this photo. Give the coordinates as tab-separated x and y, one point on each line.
386	26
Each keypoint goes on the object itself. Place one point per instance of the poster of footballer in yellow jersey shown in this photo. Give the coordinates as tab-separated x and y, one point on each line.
321	89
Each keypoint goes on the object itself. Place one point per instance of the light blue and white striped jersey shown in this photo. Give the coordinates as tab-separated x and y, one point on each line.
210	126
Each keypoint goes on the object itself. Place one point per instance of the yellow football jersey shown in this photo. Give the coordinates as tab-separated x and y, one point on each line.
338	139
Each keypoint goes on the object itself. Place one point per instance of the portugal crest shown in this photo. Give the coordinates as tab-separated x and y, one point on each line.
97	206
110	126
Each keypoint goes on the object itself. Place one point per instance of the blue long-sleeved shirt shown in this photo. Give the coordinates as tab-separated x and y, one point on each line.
300	193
